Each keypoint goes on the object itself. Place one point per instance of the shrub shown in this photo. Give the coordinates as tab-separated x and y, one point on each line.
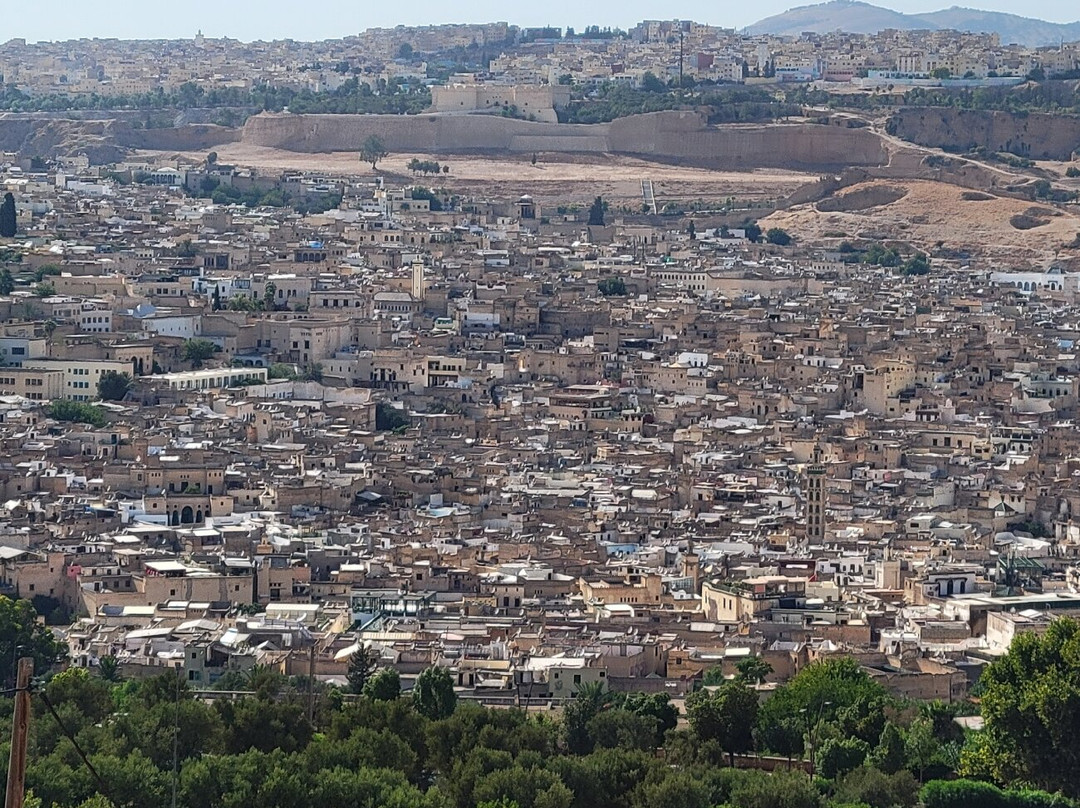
962	794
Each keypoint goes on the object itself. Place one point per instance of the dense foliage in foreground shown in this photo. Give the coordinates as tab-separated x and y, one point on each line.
263	739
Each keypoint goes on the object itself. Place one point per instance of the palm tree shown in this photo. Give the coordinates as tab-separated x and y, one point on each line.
109	668
595	696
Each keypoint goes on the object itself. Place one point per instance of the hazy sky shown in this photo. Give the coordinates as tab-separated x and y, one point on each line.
302	19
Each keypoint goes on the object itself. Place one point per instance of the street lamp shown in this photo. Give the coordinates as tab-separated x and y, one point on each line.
15	659
811	733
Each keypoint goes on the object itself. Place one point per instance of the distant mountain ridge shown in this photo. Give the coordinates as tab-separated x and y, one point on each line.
858	17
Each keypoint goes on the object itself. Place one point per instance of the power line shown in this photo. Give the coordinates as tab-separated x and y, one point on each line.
102	788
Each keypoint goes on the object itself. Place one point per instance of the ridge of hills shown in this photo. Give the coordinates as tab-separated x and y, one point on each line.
855	16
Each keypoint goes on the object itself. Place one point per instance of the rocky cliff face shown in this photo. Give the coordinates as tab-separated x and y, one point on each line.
103	141
1034	135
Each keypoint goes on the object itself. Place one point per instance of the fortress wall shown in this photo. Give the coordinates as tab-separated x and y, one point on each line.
558	143
420	133
680	136
683	135
676	136
1034	135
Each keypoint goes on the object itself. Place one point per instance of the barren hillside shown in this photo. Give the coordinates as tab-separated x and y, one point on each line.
554	179
925	213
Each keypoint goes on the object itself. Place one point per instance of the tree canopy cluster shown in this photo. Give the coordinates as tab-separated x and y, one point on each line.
731	104
79	412
395	96
270	744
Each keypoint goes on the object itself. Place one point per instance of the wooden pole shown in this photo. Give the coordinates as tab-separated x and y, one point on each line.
19	731
311	682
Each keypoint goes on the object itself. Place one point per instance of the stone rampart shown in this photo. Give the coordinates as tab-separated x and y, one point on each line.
682	137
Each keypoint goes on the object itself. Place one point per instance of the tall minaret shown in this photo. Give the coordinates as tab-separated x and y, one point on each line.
815	497
691	565
418	281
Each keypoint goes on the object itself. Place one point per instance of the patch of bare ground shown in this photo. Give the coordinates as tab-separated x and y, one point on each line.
862	198
936	213
552	179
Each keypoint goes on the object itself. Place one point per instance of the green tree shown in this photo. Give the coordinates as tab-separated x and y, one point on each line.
21	635
613	286
8	222
961	794
753	669
622	729
113	386
879	255
389	418
361	667
889	755
920	746
109	668
157	726
651	84
776	235
657	706
281	370
596	212
385	685
588	701
197	351
726	715
714	676
918	264
7	282
63	409
269	293
781	789
784	737
752	232
44	289
839	756
835	690
263	724
372	150
82	700
876	789
46	271
680	789
524	786
433	695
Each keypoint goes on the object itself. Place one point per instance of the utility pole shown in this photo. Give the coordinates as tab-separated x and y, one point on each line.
680	58
176	737
20	729
311	681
